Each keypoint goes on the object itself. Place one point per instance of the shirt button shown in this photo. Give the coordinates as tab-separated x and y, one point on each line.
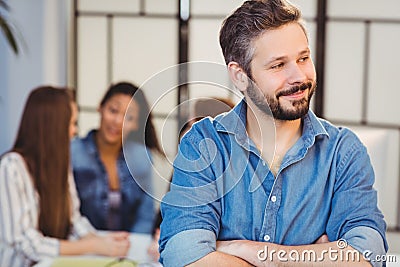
263	163
266	238
273	198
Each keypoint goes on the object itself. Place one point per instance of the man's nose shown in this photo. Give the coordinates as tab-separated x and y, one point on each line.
296	74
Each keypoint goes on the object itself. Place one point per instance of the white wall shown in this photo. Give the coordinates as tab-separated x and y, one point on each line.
42	24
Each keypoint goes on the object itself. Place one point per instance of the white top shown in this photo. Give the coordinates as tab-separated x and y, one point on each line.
19	212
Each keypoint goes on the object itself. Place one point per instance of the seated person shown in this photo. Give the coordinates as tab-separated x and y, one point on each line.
39	213
114	182
270	176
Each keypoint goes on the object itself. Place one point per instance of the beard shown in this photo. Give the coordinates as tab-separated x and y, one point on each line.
271	106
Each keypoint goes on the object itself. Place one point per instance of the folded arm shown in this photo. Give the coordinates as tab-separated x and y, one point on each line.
269	254
221	259
361	246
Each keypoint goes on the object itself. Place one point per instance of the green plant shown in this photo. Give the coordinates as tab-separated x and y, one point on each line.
6	27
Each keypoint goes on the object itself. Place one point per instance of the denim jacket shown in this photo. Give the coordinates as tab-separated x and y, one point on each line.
222	189
137	207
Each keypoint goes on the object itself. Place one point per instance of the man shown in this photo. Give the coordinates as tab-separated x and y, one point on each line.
269	183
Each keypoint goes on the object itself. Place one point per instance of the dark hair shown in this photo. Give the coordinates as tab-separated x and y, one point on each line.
146	132
43	142
248	22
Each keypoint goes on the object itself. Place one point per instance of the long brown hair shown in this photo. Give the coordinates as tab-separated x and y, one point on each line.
43	141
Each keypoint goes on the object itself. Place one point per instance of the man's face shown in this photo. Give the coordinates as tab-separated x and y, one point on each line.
283	73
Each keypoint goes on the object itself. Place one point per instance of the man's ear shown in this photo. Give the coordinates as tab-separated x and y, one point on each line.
238	76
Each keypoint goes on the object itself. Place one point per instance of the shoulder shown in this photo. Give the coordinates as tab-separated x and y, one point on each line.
344	142
81	142
205	128
203	140
137	156
338	134
12	167
12	159
136	151
199	131
83	149
135	147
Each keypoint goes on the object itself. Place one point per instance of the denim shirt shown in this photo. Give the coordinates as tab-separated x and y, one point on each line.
137	207
222	189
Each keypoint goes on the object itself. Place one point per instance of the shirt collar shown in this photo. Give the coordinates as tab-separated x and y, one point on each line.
312	127
91	145
234	122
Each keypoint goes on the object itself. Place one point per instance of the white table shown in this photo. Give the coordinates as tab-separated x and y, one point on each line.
139	245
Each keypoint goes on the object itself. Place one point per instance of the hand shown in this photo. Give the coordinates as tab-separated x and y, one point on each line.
113	244
223	246
322	239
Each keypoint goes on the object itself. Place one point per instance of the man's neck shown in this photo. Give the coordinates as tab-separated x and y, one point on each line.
272	137
287	134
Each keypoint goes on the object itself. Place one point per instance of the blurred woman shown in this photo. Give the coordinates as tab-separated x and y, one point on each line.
114	182
39	212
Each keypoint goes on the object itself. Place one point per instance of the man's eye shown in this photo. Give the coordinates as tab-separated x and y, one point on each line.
303	59
277	66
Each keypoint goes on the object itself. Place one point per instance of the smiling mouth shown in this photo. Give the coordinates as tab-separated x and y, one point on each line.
295	90
298	93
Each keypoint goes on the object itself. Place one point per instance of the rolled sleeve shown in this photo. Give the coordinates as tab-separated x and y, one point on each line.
178	253
191	210
368	242
355	215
